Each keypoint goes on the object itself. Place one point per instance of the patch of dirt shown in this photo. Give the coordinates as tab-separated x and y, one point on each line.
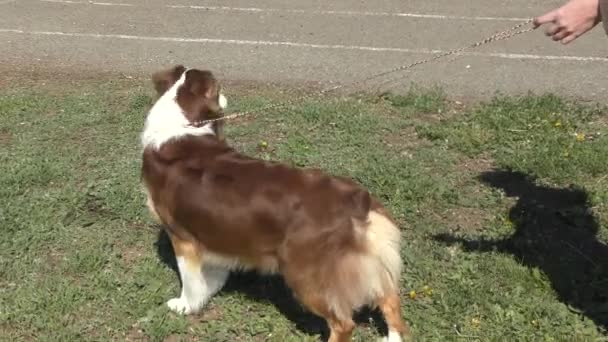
136	334
210	313
57	78
430	118
405	141
61	79
131	255
5	137
453	108
13	333
475	166
179	338
465	219
469	219
129	252
94	205
55	259
598	126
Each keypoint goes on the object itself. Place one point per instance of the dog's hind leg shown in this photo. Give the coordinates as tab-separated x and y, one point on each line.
341	326
199	282
340	330
391	309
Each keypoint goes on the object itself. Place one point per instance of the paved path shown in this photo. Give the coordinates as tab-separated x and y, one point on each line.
306	41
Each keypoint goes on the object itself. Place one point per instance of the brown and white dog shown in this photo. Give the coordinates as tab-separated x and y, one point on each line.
335	245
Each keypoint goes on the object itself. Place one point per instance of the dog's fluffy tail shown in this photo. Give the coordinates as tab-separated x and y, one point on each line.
383	239
372	273
380	238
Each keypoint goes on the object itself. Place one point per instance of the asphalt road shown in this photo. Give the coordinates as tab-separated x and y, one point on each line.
306	41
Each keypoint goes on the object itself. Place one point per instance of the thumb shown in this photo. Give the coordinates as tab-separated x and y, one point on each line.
546	18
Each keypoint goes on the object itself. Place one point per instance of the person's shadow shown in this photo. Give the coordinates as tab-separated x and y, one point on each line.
272	289
555	231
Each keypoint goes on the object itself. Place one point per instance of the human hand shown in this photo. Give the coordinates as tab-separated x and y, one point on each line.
571	20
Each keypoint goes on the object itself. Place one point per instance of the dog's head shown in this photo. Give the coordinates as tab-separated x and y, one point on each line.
186	98
197	92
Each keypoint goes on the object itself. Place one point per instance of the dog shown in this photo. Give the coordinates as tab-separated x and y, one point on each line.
334	244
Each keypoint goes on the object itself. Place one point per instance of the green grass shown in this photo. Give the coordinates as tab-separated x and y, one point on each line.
502	206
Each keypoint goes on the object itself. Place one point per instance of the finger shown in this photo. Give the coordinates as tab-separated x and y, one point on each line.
561	34
570	38
546	18
552	29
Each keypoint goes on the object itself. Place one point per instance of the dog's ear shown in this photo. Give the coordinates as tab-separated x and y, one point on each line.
164	79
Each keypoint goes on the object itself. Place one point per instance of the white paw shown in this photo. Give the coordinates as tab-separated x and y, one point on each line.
179	305
393	336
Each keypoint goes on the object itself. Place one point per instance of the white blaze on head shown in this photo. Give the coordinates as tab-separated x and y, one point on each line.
223	102
167	121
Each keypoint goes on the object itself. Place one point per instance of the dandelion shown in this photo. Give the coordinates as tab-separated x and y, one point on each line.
412	294
580	137
558	123
263	144
476	322
427	290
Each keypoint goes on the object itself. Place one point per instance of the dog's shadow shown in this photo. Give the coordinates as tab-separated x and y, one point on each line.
272	289
555	231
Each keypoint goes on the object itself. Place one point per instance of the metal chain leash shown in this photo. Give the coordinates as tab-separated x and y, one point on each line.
495	38
503	35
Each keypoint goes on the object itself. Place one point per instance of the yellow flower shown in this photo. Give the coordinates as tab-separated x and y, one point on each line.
427	290
558	123
263	144
413	294
476	322
580	137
